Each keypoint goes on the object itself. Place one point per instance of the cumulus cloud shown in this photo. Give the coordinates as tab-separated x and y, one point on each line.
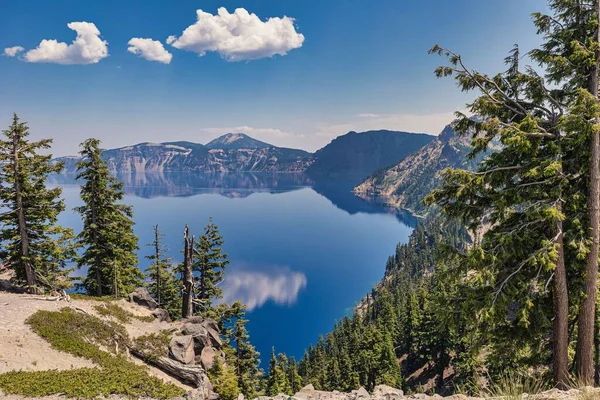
255	288
239	36
87	48
13	51
151	50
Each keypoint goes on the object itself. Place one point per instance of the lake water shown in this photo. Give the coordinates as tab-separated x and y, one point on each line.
302	253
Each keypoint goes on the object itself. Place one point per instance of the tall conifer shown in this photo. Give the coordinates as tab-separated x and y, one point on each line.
32	244
107	237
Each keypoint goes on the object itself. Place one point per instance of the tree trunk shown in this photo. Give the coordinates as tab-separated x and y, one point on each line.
560	340
188	278
587	312
157	261
24	236
596	350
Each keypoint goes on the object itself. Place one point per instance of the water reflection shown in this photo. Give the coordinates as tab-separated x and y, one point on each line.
244	184
254	288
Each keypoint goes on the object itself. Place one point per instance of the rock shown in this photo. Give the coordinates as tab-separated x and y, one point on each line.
210	323
215	338
207	357
182	349
195	394
306	392
362	393
161	315
240	396
387	392
142	297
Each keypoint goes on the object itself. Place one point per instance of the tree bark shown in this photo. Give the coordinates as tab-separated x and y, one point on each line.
585	336
560	329
188	278
24	236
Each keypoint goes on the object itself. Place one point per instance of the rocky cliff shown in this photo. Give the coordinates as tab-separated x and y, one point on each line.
405	184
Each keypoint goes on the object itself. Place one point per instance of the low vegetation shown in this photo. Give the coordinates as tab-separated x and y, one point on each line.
81	335
115	311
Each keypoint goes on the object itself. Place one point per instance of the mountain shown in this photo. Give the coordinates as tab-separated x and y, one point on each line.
237	141
354	156
405	184
228	153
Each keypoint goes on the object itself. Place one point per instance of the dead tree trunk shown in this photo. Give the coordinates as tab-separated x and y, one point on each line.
192	374
188	277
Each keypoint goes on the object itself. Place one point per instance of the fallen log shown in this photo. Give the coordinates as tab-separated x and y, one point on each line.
191	374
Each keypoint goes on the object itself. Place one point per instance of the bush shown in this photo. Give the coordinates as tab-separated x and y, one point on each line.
115	311
80	334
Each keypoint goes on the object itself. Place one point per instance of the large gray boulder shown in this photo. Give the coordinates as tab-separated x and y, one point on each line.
142	297
207	357
384	392
161	315
182	349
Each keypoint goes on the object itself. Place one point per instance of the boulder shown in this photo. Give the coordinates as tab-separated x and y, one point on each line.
306	392
142	297
207	357
215	338
161	315
210	323
195	394
385	392
362	393
182	349
240	396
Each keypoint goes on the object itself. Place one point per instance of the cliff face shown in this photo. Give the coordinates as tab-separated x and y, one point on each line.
193	157
354	156
405	184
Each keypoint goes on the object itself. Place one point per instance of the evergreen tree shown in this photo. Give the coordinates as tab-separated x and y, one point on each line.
107	234
32	244
160	279
277	382
209	263
224	380
293	376
246	360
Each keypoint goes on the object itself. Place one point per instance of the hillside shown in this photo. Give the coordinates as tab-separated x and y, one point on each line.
228	153
405	184
354	156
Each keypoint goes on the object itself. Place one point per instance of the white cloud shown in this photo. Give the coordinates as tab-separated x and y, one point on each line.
87	48
13	51
280	285
367	115
238	36
151	50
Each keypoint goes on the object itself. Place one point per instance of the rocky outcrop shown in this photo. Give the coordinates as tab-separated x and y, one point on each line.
405	185
161	315
181	348
142	297
383	392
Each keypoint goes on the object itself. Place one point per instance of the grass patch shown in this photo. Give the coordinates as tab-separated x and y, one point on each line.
153	345
115	311
513	386
80	334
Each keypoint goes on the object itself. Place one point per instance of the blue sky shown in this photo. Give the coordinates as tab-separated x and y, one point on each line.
348	65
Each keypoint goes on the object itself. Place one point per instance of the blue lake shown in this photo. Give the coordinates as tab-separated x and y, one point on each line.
302	253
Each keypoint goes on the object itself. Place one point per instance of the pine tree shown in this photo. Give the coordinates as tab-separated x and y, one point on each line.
247	364
32	244
107	236
293	376
224	380
277	381
160	279
209	263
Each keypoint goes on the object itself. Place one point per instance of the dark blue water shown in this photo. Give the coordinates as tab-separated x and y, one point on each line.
302	253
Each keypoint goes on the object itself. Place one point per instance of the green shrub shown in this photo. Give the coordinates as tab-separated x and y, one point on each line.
80	334
117	312
153	345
